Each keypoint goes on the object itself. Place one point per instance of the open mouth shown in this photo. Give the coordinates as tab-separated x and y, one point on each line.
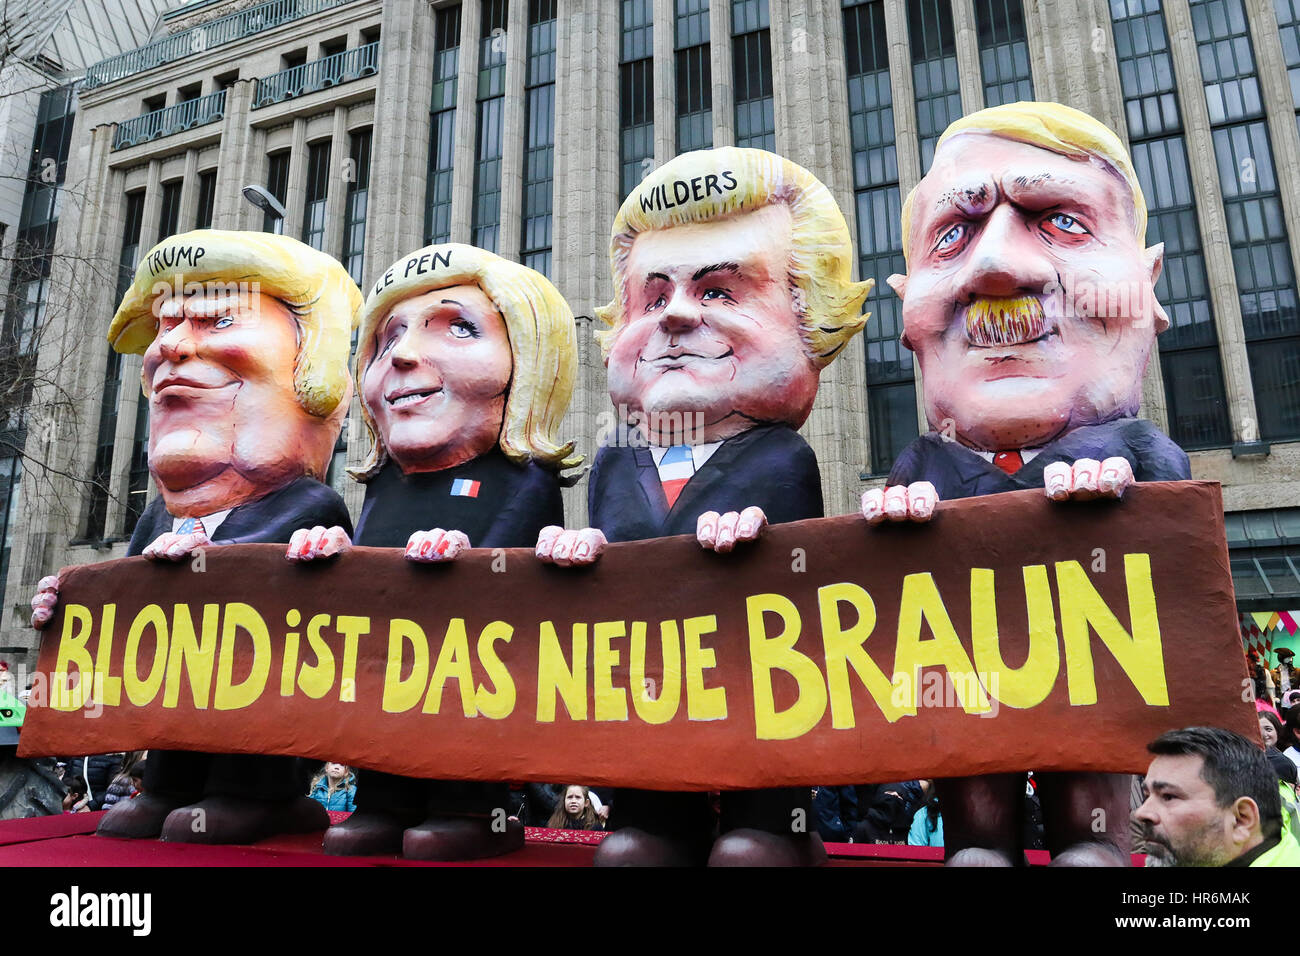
993	323
412	396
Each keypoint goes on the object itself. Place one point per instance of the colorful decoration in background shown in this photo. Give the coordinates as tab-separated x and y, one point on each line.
1267	632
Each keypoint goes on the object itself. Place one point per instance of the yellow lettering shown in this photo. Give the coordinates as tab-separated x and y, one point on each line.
844	647
453	661
77	622
109	687
611	701
1139	654
554	677
920	603
141	692
229	696
767	654
500	701
702	703
192	655
401	695
1028	685
315	680
352	629
656	704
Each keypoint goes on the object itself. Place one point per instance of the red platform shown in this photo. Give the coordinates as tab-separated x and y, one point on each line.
69	840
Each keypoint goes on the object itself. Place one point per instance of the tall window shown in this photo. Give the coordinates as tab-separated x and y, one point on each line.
354	206
101	473
1288	21
751	57
442	126
891	390
313	209
169	209
491	102
539	136
277	184
1189	351
694	75
1261	250
636	122
207	199
1004	51
11	475
934	71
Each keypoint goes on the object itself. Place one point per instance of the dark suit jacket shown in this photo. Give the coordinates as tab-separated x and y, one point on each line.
273	519
769	466
958	472
514	503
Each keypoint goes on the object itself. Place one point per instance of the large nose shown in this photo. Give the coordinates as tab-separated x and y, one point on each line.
1008	257
681	314
1146	812
177	343
405	355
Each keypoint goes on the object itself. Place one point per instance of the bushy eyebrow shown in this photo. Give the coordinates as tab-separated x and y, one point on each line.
732	267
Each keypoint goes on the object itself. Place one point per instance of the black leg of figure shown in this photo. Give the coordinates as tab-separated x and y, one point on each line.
1086	818
465	821
173	778
653	828
386	807
983	819
246	799
768	828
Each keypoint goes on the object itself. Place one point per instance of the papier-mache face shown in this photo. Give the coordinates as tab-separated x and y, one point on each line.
462	351
733	289
1029	298
245	338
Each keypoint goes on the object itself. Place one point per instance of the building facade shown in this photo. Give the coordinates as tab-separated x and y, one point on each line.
520	125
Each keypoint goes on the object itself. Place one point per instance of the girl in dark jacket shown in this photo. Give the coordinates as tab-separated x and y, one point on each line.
575	811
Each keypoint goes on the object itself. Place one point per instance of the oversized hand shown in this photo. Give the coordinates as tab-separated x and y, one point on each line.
720	533
1087	478
914	502
175	547
308	544
436	545
45	601
570	548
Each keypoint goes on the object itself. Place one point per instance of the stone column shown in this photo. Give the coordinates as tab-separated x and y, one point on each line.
969	69
664	17
1213	218
586	202
340	171
465	154
189	192
720	70
513	132
399	156
240	163
1071	57
296	193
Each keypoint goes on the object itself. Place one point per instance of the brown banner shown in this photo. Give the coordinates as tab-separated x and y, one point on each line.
1008	634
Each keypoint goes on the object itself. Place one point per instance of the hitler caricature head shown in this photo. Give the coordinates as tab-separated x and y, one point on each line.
732	291
1029	298
245	337
460	352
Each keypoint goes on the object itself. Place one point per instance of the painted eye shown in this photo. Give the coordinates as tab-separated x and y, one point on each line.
951	237
463	329
658	303
715	294
223	323
1067	223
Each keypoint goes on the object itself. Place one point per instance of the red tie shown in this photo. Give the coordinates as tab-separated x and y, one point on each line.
1008	461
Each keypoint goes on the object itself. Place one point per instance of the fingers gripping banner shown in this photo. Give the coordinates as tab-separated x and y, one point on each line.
1008	634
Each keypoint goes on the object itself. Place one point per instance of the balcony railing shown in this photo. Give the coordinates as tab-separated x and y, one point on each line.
172	119
197	39
317	75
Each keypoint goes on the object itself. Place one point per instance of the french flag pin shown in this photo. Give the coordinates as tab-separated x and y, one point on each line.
464	488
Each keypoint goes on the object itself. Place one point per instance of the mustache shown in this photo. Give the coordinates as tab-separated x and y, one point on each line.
1012	320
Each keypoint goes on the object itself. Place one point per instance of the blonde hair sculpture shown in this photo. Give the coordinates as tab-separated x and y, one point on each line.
543	345
320	294
1050	126
712	184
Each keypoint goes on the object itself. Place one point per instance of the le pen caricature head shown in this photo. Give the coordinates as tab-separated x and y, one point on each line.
710	185
542	366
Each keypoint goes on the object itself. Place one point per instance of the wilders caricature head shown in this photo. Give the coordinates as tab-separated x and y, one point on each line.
1029	298
461	351
245	337
732	291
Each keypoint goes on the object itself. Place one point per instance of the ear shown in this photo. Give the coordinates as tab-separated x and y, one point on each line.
1246	818
1155	261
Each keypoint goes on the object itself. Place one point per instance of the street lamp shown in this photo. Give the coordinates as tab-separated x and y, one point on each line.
266	202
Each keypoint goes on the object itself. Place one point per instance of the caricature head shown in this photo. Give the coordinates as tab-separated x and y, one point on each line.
245	338
1029	297
462	351
733	289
